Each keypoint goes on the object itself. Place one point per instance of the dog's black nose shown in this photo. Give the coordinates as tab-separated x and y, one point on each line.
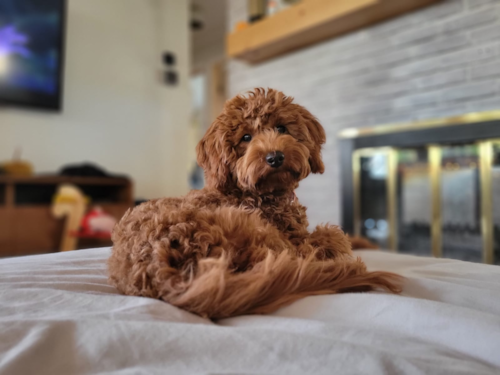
275	159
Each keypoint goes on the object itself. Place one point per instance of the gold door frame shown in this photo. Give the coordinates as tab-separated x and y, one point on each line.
434	156
485	165
468	118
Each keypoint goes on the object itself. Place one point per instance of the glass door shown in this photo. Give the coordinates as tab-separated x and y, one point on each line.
439	200
414	217
374	195
461	203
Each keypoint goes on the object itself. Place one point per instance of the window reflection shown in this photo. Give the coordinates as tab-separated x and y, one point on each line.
460	203
414	202
374	198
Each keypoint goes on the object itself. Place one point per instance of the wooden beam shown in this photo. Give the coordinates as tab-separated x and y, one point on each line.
310	22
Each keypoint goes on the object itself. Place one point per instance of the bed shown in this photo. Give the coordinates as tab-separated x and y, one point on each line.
58	315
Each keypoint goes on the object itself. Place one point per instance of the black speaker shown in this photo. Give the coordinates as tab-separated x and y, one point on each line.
169	59
171	78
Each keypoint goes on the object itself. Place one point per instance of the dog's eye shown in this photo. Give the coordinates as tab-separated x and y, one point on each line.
281	129
246	138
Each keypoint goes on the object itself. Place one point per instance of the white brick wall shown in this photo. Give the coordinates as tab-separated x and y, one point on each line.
440	61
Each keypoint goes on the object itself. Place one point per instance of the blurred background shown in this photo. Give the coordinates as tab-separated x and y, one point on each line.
103	102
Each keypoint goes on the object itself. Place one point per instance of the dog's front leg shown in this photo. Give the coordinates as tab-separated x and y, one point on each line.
330	242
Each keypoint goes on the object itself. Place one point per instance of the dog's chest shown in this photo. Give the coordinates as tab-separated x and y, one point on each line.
288	216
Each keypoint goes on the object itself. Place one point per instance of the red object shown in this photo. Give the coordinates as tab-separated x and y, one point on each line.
96	224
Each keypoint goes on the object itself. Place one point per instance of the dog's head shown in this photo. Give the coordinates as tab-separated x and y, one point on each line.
263	142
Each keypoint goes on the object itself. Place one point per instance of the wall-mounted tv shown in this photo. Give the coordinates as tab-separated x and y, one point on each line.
32	52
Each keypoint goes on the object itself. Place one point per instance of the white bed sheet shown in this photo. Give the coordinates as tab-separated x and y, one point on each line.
58	315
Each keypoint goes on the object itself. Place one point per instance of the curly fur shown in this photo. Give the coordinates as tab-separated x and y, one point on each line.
241	244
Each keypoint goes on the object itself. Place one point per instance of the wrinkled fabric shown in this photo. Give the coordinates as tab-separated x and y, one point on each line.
58	315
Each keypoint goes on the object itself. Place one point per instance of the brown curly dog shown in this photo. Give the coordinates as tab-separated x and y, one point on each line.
241	244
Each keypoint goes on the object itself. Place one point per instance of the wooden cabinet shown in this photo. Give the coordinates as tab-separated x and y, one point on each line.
26	223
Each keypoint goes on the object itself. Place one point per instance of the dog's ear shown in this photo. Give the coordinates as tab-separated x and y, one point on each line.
318	137
213	157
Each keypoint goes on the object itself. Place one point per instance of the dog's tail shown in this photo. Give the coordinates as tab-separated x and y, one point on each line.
362	243
216	291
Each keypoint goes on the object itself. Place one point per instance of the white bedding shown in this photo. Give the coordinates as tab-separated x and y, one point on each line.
59	316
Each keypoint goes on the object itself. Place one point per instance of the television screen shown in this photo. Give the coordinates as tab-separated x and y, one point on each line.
31	52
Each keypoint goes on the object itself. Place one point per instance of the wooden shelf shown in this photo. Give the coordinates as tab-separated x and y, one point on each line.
57	179
27	225
312	21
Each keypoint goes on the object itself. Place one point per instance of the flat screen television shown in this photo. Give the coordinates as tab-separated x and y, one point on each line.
32	52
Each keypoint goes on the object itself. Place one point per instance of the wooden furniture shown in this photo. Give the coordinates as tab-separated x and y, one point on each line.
309	22
27	225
